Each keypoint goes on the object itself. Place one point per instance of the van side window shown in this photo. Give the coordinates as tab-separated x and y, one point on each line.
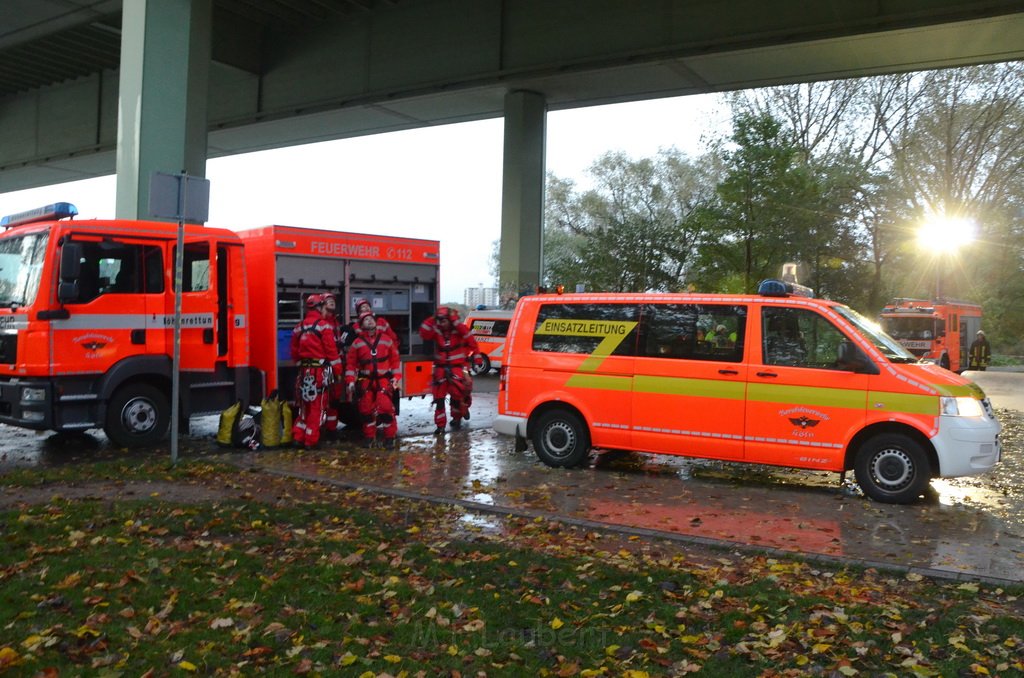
694	331
799	337
581	328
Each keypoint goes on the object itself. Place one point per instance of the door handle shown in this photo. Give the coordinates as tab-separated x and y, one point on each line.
767	374
728	371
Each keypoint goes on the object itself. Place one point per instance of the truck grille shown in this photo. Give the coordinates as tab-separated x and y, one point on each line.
8	349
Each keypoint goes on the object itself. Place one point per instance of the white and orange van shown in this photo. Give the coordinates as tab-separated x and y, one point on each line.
490	327
768	378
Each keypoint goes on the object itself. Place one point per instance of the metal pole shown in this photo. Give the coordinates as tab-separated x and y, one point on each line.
179	265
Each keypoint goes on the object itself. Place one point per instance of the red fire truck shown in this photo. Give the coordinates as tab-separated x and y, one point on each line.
87	315
936	331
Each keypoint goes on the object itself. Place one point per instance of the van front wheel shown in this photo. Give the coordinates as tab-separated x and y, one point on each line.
561	439
892	468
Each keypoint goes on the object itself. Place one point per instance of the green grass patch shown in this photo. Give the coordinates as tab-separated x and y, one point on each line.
357	583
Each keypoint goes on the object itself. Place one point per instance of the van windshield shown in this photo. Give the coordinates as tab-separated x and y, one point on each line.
871	331
21	267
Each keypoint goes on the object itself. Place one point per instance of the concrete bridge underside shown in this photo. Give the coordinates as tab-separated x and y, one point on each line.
89	87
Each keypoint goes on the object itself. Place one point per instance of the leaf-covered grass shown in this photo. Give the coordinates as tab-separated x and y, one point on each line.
353	584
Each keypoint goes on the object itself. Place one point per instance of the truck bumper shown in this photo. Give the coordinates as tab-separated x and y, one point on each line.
510	426
27	404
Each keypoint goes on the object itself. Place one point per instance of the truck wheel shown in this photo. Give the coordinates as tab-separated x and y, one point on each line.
138	415
483	368
892	468
561	439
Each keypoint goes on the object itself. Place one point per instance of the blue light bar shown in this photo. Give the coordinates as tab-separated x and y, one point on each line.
778	288
58	210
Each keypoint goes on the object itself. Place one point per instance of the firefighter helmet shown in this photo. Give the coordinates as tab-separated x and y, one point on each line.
447	313
314	300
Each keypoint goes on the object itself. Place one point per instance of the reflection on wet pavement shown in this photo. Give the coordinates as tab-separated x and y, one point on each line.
965	526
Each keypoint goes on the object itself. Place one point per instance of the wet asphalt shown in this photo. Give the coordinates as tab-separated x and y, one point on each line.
964	528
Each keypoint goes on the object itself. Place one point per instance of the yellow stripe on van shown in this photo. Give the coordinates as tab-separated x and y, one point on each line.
904	402
854	399
702	388
601	382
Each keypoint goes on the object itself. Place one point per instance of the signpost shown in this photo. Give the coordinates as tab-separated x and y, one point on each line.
185	199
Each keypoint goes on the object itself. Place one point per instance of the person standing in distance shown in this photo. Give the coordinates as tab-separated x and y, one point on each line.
980	353
371	378
316	355
454	346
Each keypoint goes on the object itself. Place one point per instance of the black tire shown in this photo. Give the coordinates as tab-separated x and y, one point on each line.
561	439
483	368
138	415
892	468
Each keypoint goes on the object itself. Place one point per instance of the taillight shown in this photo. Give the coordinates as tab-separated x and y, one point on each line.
502	374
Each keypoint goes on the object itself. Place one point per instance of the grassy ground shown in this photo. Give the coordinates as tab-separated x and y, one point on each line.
132	569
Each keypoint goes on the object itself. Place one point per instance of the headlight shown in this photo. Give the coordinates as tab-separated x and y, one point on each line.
960	407
33	394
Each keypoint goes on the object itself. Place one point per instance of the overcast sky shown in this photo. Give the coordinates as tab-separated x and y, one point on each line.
440	183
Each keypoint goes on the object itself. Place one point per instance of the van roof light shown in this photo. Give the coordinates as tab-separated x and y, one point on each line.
58	210
777	288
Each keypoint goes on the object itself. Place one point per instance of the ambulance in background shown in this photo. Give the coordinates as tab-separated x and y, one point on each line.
939	332
87	313
490	327
788	380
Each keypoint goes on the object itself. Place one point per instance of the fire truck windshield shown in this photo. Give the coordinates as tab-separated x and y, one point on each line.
915	327
889	347
21	266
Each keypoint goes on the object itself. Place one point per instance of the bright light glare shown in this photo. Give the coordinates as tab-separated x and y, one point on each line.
942	234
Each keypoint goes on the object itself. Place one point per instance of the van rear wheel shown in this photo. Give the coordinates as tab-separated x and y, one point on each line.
892	468
561	439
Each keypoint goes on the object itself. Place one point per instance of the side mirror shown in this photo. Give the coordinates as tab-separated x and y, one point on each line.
67	292
70	261
852	359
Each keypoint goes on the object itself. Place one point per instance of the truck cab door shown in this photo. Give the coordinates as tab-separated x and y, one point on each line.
198	309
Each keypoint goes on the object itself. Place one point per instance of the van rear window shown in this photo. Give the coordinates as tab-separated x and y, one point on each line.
490	328
581	328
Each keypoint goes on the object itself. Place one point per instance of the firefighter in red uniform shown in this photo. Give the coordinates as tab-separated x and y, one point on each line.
371	377
363	306
337	391
454	348
315	353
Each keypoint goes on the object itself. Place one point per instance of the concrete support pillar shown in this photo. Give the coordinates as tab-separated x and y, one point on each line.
162	120
522	195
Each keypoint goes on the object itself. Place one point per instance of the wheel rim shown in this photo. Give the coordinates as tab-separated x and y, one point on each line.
893	469
559	439
138	416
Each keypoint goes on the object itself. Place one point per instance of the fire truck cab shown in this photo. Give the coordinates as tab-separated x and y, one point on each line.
937	331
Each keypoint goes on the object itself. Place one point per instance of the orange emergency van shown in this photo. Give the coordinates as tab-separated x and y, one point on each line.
784	379
490	327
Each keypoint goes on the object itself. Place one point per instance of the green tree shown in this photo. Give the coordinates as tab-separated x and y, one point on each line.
633	231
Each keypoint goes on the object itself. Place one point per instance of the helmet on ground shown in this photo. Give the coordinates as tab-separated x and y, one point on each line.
314	300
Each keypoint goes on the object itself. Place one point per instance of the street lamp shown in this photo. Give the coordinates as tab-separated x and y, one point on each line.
943	236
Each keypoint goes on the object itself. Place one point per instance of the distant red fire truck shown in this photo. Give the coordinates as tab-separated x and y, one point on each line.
939	332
